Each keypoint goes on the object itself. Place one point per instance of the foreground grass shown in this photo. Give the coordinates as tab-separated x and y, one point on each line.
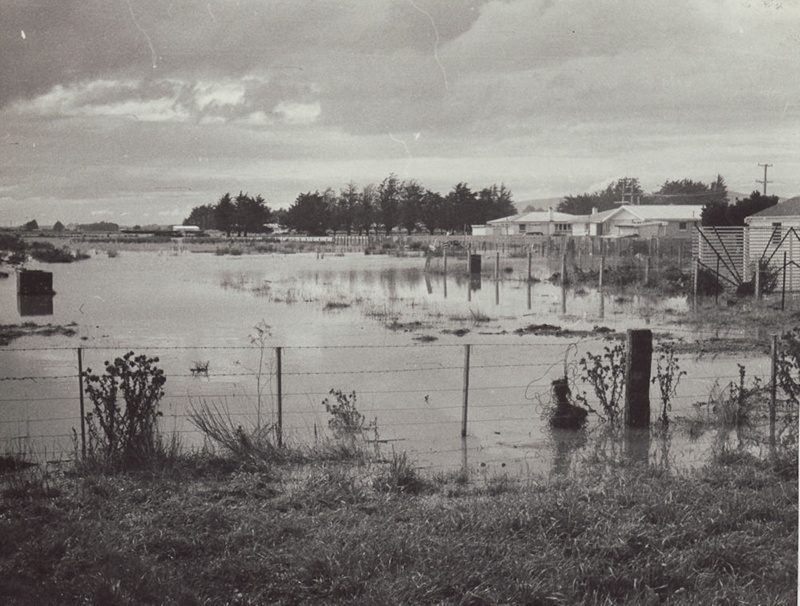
210	532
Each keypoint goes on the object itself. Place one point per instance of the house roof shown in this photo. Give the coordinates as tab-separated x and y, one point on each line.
787	208
665	212
538	216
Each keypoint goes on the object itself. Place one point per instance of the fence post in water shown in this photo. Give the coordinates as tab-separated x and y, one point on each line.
647	271
773	390
279	389
80	393
564	268
530	260
602	270
465	398
497	266
638	361
444	260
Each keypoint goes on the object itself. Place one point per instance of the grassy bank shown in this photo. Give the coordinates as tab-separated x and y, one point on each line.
206	530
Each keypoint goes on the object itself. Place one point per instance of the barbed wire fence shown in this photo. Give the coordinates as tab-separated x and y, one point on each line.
434	401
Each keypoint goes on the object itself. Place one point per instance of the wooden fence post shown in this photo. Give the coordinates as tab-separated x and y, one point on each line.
530	262
783	288
444	260
279	389
564	268
83	411
497	266
773	390
465	398
758	280
602	270
638	360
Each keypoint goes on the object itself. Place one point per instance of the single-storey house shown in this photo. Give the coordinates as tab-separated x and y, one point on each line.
541	222
663	220
783	215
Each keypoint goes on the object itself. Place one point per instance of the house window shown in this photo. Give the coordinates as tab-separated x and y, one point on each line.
562	227
682	225
521	228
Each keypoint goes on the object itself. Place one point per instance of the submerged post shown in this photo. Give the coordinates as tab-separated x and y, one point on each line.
80	393
465	398
637	378
279	389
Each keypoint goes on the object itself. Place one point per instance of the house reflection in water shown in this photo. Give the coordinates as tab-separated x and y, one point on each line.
35	305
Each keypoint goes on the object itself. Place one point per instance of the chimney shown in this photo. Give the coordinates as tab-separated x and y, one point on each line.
550	213
594	210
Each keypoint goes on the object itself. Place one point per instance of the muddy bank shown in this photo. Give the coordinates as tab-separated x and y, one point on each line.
11	332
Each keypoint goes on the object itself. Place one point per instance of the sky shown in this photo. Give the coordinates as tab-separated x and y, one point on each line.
135	111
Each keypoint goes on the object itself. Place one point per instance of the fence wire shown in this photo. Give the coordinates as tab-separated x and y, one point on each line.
415	394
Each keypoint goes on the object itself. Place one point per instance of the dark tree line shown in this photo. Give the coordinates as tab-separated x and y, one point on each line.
393	204
721	213
683	191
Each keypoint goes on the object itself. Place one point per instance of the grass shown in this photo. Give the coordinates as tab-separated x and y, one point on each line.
321	532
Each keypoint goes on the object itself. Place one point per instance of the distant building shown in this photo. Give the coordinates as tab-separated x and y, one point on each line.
662	220
541	223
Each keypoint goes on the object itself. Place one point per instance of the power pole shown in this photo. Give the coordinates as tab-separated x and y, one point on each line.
764	182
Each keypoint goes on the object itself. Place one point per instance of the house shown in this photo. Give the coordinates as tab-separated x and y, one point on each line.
662	220
782	215
544	223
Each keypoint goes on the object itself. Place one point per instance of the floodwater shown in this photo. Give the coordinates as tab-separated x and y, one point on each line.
375	325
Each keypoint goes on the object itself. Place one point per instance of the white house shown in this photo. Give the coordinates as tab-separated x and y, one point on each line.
782	215
545	223
665	220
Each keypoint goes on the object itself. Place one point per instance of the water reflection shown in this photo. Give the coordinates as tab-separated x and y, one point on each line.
35	305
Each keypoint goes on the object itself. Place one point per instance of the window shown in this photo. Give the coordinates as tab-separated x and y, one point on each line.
682	225
562	227
521	228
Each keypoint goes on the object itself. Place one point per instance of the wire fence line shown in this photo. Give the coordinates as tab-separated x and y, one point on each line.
416	393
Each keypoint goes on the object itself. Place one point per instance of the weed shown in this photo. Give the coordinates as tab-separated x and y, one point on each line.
256	446
259	339
122	428
605	375
400	477
668	375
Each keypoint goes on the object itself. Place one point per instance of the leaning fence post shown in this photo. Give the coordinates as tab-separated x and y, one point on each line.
279	386
638	361
465	398
80	393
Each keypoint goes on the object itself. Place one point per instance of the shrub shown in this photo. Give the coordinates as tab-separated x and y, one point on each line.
122	427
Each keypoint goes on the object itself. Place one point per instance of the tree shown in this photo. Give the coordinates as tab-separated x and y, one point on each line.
346	206
604	199
411	196
225	214
495	202
251	214
364	212
432	211
58	226
462	208
203	216
309	213
31	225
389	202
722	214
687	191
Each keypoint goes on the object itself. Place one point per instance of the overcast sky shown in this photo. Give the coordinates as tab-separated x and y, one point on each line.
135	111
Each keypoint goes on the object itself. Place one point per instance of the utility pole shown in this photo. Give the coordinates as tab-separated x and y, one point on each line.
764	182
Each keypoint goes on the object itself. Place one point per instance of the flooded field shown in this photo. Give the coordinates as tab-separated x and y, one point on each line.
376	325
